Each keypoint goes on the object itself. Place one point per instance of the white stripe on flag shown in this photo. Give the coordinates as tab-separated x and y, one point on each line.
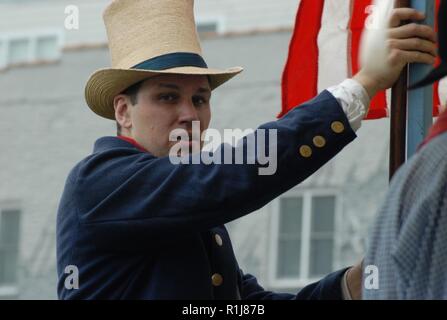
333	44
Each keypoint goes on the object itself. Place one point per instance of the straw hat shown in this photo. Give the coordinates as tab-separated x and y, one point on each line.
440	71
148	38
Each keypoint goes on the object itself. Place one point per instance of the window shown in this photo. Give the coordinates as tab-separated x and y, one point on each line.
289	238
27	48
18	51
210	25
9	246
303	238
47	48
322	236
207	27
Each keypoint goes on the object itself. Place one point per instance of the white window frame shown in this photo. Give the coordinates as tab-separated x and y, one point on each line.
8	291
218	20
31	36
307	195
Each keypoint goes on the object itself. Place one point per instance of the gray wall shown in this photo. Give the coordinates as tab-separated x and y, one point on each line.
234	16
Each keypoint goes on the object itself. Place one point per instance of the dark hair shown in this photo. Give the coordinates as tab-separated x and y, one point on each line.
132	93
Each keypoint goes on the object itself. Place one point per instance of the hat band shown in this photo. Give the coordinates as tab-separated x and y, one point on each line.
172	60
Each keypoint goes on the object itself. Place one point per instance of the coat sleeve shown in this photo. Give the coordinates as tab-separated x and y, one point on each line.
128	197
329	288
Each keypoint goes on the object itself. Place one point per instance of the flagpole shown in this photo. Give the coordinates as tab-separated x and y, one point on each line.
420	101
409	126
398	115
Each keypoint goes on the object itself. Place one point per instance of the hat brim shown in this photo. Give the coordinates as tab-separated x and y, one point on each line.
105	84
435	75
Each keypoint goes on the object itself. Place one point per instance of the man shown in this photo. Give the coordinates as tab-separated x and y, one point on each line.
133	224
408	243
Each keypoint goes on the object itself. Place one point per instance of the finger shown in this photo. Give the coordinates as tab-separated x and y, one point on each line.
413	30
399	57
414	44
401	14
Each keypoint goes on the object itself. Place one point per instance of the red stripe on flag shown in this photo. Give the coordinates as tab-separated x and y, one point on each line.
436	100
378	107
300	76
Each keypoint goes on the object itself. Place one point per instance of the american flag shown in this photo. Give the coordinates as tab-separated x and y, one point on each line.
324	50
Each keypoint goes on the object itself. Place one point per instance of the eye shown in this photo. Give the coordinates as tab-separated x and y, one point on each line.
168	97
199	100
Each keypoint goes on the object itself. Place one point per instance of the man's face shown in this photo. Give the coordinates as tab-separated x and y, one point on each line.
166	103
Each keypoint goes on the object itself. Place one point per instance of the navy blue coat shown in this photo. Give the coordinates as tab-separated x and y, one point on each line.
139	227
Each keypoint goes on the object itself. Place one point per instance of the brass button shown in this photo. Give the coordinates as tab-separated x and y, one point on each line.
337	127
305	151
216	279
319	141
218	239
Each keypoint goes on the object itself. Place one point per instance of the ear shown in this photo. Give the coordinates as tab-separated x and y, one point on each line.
123	110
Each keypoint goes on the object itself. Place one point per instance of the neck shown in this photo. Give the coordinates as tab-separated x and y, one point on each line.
132	141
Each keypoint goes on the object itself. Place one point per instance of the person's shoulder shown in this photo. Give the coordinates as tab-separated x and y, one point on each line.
423	178
110	155
430	158
437	145
113	150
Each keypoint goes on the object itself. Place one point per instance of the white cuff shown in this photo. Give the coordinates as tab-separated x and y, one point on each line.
354	101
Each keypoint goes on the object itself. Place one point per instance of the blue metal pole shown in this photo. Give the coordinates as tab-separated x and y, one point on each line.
420	101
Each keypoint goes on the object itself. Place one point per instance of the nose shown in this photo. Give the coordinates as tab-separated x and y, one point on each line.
188	113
